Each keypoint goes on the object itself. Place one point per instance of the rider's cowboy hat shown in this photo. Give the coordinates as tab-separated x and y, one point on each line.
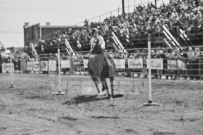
95	30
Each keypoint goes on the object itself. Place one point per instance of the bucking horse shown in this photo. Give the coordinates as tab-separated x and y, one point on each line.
100	67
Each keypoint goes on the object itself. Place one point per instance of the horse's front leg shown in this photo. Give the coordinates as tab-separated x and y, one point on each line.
112	88
96	82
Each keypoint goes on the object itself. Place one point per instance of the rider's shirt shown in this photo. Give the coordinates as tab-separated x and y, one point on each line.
101	42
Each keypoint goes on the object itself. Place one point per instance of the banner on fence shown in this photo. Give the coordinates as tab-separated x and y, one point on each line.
52	65
44	65
120	63
65	63
171	64
85	62
29	66
36	66
7	67
181	65
135	63
155	64
78	63
23	66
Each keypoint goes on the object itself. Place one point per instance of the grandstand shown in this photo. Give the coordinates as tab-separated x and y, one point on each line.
176	25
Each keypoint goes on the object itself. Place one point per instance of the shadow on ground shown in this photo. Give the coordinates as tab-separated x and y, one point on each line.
87	99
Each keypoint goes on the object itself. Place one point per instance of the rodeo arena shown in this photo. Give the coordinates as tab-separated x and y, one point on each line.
136	71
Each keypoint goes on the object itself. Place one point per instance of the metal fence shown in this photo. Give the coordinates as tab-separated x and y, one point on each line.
162	68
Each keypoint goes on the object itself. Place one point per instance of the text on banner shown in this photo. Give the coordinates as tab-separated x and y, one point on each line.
44	65
135	63
120	63
155	64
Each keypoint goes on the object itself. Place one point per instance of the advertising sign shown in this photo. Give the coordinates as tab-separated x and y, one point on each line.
44	65
7	67
135	63
36	66
155	64
52	65
172	64
120	63
85	62
29	66
65	63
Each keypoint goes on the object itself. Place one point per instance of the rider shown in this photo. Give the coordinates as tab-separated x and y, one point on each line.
96	40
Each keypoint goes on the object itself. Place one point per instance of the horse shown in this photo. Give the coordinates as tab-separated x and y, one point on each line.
100	67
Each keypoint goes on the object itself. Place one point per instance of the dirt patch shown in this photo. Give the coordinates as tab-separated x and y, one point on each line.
32	97
68	118
164	133
32	106
2	128
105	117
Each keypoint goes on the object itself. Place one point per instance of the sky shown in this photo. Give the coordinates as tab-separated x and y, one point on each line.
14	13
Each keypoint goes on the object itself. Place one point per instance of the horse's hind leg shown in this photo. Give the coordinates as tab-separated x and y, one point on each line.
105	86
112	88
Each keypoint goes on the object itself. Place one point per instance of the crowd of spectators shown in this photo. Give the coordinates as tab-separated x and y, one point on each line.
178	14
189	61
183	14
186	15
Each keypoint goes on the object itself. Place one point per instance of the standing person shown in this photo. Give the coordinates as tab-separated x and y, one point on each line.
158	55
196	63
190	59
1	61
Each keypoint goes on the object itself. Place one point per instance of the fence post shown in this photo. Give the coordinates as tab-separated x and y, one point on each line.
60	92
149	103
11	72
199	69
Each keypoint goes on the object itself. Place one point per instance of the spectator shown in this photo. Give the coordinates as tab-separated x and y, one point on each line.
196	63
190	60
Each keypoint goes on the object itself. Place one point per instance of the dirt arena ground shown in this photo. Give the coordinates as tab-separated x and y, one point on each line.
31	109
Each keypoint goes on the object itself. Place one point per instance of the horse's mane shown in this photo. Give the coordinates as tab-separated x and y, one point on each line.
97	49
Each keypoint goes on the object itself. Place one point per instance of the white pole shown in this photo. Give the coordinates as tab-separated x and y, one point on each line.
59	69
11	72
149	73
150	103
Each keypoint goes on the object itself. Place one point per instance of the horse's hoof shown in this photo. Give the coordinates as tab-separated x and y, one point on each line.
102	93
110	96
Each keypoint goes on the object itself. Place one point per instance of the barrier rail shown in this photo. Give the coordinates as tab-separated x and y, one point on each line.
137	67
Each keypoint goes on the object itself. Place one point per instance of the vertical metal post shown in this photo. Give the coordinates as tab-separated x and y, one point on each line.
199	68
149	70
59	69
149	103
155	2
11	72
123	6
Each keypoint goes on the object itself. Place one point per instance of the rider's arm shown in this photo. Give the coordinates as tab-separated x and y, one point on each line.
102	42
92	43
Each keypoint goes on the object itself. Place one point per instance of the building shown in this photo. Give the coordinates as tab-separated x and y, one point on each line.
37	32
